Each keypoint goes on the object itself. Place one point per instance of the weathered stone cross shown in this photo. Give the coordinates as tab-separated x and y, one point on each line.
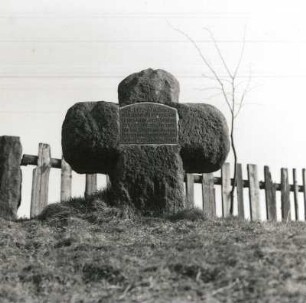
147	142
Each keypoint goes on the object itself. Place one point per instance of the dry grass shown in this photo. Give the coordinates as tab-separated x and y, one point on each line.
84	251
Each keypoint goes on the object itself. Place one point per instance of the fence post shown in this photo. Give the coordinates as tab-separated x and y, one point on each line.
240	199
10	176
66	178
295	195
208	195
91	184
253	192
304	190
40	183
270	194
285	195
189	191
226	189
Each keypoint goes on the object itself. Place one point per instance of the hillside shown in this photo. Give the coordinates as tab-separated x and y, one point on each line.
84	251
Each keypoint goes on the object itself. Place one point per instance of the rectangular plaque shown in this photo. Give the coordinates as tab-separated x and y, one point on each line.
148	123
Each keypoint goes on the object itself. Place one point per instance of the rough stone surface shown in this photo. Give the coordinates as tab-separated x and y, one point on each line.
90	137
203	137
10	176
149	85
149	177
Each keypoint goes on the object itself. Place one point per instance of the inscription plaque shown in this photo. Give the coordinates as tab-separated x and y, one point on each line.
148	123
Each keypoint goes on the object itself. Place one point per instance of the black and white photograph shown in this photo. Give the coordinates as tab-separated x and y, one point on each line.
152	151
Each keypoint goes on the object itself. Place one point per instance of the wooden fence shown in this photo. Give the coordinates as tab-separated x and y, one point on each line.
254	186
44	163
40	181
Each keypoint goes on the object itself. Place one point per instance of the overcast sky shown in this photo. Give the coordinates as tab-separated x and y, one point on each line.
56	53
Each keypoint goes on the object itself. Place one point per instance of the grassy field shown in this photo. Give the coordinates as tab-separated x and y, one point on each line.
88	252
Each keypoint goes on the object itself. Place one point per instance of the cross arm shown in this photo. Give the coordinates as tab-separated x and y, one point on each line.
203	137
90	136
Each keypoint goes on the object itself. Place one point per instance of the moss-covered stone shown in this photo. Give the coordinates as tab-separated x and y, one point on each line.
150	178
203	137
149	85
90	137
146	177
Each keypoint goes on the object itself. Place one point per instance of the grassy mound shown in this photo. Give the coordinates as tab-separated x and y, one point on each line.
86	251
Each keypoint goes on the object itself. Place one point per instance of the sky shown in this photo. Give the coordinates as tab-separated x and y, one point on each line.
56	53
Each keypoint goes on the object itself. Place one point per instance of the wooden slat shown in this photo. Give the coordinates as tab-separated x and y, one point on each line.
295	194
226	189
270	193
66	178
32	160
285	195
91	184
254	192
304	190
240	199
189	191
40	184
215	201
208	195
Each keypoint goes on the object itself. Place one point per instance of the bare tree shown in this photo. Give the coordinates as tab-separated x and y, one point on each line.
228	87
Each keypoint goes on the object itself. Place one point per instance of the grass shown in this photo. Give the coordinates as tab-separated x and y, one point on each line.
84	251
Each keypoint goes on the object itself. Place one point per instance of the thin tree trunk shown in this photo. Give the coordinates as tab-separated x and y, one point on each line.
235	169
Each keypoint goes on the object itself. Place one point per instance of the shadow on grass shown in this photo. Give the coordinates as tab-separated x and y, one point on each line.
192	214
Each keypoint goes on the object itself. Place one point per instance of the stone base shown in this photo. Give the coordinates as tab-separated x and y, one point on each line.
151	178
10	176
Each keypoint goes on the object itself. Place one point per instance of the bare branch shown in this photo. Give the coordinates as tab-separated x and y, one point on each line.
241	54
246	90
226	98
233	99
239	109
219	52
214	78
205	62
218	79
198	49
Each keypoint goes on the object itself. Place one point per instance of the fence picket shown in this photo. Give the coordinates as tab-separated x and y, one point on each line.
240	199
40	183
304	190
253	192
91	184
226	189
285	195
66	178
270	194
295	195
208	195
189	191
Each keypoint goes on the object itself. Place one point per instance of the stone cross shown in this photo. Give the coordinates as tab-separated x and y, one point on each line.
146	142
